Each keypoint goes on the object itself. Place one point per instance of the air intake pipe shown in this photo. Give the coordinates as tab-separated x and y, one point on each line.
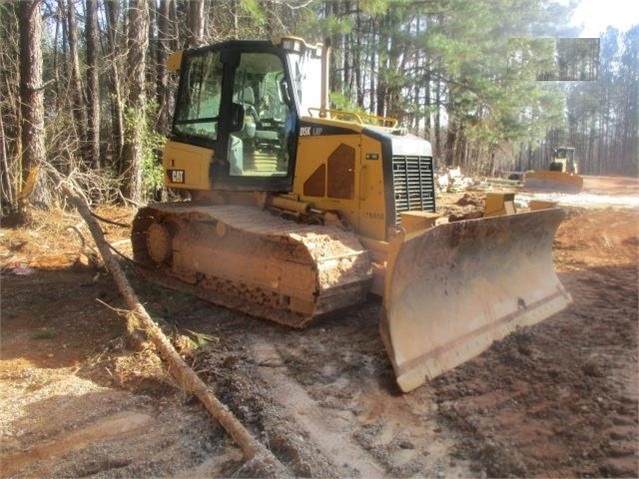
325	100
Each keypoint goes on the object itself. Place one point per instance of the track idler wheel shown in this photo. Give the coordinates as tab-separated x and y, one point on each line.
158	242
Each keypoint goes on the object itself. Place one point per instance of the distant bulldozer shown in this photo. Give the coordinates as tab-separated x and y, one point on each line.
562	174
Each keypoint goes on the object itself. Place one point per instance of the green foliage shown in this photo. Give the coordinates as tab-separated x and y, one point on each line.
448	61
343	103
444	68
378	7
43	334
200	340
340	101
496	102
253	9
315	28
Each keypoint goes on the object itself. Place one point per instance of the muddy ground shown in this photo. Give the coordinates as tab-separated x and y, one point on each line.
79	398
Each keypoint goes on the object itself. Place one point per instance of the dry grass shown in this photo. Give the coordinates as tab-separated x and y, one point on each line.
54	238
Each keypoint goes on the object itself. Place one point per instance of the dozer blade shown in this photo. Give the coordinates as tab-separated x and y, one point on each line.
553	181
452	290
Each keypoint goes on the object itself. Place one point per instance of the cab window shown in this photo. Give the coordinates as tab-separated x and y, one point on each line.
198	103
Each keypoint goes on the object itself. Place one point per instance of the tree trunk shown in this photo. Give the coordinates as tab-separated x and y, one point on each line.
438	104
382	76
78	103
162	51
460	145
56	59
5	172
93	91
31	88
451	139
332	9
152	51
137	42
117	102
175	42
10	123
357	63
374	71
348	79
195	24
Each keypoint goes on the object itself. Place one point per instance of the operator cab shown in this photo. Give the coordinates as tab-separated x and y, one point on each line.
563	160
243	100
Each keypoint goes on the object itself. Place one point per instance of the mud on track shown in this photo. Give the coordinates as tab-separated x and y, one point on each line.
555	400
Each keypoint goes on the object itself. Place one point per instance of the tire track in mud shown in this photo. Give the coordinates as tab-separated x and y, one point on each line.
328	430
337	384
115	426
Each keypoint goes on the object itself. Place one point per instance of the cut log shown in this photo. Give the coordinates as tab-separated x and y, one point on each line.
259	457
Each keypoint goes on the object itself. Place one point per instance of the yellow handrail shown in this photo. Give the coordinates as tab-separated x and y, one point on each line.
361	118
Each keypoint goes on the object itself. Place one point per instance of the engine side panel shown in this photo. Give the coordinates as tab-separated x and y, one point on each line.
187	166
339	168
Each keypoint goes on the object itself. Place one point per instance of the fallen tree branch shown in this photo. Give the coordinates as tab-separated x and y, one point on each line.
260	459
85	249
106	220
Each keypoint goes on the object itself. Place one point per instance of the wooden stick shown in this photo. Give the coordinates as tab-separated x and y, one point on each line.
254	451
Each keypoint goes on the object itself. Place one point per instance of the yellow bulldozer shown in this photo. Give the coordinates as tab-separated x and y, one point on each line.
562	174
297	211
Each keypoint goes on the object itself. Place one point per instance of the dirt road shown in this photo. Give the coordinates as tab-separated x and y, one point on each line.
77	398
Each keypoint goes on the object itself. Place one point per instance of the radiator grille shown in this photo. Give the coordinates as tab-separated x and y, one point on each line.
413	184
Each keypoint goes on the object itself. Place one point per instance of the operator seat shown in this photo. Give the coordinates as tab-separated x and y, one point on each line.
245	97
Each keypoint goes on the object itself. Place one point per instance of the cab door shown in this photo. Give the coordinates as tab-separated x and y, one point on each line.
257	134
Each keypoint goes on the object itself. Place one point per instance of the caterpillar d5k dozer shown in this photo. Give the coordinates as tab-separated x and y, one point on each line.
561	176
298	211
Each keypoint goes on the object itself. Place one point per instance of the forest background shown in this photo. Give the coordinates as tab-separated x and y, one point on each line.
85	89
